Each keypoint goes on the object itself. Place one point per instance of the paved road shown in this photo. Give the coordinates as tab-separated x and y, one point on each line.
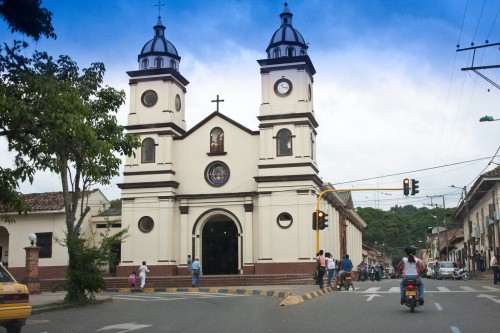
451	306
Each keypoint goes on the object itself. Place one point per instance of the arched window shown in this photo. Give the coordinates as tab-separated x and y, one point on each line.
290	51
217	140
148	151
277	52
284	142
159	62
145	63
173	64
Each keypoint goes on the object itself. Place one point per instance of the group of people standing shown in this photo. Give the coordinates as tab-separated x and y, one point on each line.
325	263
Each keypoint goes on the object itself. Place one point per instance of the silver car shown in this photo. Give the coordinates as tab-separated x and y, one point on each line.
446	269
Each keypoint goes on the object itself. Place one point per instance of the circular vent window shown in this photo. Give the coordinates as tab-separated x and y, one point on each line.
146	224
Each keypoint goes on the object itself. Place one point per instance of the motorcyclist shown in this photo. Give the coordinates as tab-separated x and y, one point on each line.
345	267
411	268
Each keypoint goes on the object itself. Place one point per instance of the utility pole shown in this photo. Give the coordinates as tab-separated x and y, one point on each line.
445	227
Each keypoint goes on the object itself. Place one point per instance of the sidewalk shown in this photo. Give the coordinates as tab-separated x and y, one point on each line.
49	301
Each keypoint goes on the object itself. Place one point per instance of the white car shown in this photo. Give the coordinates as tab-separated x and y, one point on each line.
446	269
430	269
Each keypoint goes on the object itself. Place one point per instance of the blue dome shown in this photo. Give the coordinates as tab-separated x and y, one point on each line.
286	41
159	52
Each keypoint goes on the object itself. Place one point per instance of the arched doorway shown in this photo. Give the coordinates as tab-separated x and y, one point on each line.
219	247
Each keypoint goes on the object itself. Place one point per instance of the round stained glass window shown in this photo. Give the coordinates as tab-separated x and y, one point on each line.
217	173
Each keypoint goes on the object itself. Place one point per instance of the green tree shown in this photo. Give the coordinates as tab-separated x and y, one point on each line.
60	120
26	17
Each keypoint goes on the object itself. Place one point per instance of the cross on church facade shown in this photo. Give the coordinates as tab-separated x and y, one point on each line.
217	101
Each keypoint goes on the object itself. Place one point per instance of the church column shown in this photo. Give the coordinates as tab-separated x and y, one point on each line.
127	217
265	245
248	234
165	250
185	233
304	226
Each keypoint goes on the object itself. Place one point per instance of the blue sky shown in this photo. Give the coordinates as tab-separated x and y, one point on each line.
390	96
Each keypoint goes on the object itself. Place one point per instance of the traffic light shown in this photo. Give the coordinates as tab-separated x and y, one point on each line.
322	220
314	221
414	187
406	186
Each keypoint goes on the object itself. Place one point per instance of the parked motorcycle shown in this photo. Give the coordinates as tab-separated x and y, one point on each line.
462	273
362	273
411	294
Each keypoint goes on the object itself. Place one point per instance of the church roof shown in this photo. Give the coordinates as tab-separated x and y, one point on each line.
287	35
160	47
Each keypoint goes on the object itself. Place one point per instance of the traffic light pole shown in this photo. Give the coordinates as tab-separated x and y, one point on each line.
344	190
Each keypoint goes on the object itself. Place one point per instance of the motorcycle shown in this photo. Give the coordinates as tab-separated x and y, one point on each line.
346	282
375	273
462	273
362	273
411	294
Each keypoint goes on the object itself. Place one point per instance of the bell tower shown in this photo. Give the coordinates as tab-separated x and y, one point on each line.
287	122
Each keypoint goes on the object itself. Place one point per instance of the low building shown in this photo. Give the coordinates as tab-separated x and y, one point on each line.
478	210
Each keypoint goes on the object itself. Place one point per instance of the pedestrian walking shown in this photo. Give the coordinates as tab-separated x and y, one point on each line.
330	267
142	274
495	266
131	281
196	268
321	265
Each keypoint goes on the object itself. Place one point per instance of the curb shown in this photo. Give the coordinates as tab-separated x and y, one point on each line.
63	305
278	294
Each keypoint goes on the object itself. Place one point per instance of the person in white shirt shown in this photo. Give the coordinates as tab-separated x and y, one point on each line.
330	267
142	274
495	263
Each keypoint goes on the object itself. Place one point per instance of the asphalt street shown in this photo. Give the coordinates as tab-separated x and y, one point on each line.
450	306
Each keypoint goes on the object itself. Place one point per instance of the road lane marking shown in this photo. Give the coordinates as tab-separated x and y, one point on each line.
438	307
454	329
444	289
395	290
372	289
467	288
491	297
491	288
370	297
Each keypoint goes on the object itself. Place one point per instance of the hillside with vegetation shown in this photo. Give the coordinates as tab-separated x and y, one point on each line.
391	231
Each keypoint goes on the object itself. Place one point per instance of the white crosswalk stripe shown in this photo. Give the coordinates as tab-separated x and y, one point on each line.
440	289
467	288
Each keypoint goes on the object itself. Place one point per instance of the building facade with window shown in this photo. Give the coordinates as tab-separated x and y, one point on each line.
239	199
47	221
478	210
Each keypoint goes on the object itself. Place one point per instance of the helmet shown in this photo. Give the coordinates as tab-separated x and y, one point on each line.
411	250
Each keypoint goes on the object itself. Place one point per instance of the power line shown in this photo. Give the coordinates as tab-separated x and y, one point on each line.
418	170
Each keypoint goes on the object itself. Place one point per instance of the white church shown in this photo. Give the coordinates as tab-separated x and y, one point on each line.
239	199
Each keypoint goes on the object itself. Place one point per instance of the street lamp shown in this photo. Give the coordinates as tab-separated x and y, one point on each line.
32	238
487	118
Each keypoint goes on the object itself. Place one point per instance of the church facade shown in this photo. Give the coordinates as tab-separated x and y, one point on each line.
239	199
